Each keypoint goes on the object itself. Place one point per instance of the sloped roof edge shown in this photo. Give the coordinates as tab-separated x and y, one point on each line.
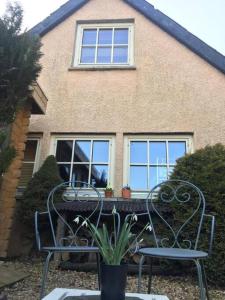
180	33
57	16
157	17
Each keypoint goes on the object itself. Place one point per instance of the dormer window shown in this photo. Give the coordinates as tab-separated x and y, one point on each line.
104	45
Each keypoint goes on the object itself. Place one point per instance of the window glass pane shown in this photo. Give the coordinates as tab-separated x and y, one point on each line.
26	173
105	36
89	37
64	171
121	36
64	151
157	153
100	151
82	151
99	176
80	173
104	55
157	175
138	178
138	152
30	150
120	55
176	150
87	55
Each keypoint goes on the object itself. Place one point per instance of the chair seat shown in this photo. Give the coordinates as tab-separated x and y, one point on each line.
173	253
77	249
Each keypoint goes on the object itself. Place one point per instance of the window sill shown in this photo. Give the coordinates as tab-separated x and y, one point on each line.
101	68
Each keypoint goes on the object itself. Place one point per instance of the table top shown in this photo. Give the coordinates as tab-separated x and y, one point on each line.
60	294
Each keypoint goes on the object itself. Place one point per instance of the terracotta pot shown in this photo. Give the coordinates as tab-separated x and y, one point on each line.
108	194
126	193
113	282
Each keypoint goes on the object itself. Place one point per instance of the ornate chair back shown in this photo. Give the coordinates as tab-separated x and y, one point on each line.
74	233
176	209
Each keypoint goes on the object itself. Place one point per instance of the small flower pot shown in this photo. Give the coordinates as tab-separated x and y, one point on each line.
126	193
113	281
108	194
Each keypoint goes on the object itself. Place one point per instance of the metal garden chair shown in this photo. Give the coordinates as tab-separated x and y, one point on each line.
70	242
175	209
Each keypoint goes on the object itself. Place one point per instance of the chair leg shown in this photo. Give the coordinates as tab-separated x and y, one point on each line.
200	279
140	272
150	276
45	272
205	280
98	270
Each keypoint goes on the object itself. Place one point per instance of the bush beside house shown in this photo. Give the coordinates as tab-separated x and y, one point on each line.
206	169
36	194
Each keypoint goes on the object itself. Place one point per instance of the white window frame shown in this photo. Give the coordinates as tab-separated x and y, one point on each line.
37	156
188	139
111	159
78	44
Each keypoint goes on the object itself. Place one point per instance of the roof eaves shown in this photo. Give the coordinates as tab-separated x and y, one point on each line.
57	16
180	33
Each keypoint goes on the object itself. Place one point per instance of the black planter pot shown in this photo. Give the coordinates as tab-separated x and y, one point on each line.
113	281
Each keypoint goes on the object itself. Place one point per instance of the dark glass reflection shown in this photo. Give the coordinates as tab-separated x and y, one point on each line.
30	150
89	37
157	153
64	151
64	171
82	151
80	173
105	36
100	151
87	55
138	178
121	36
176	150
99	176
138	152
157	175
120	55
104	55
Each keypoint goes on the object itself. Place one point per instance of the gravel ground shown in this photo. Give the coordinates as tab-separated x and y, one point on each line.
176	288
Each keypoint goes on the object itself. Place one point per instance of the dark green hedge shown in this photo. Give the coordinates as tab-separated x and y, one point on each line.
206	169
36	194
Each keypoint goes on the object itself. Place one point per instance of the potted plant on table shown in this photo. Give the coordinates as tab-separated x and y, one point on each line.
126	192
108	191
113	247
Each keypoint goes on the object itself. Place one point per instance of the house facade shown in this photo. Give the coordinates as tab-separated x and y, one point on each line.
129	91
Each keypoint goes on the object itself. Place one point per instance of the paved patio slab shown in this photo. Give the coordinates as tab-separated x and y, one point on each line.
9	275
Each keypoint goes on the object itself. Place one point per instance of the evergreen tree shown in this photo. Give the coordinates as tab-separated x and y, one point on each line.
36	194
19	63
206	169
19	68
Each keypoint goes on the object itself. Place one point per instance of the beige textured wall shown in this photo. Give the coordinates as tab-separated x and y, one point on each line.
172	89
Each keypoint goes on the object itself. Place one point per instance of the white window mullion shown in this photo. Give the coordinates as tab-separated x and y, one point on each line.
167	158
90	162
112	49
96	46
71	163
148	164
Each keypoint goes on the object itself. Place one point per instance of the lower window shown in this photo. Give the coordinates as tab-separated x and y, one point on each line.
151	161
29	165
86	160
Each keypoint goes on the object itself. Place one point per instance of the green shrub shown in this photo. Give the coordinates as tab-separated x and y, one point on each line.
36	194
206	169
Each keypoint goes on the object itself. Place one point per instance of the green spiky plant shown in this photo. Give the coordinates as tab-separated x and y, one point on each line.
114	246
